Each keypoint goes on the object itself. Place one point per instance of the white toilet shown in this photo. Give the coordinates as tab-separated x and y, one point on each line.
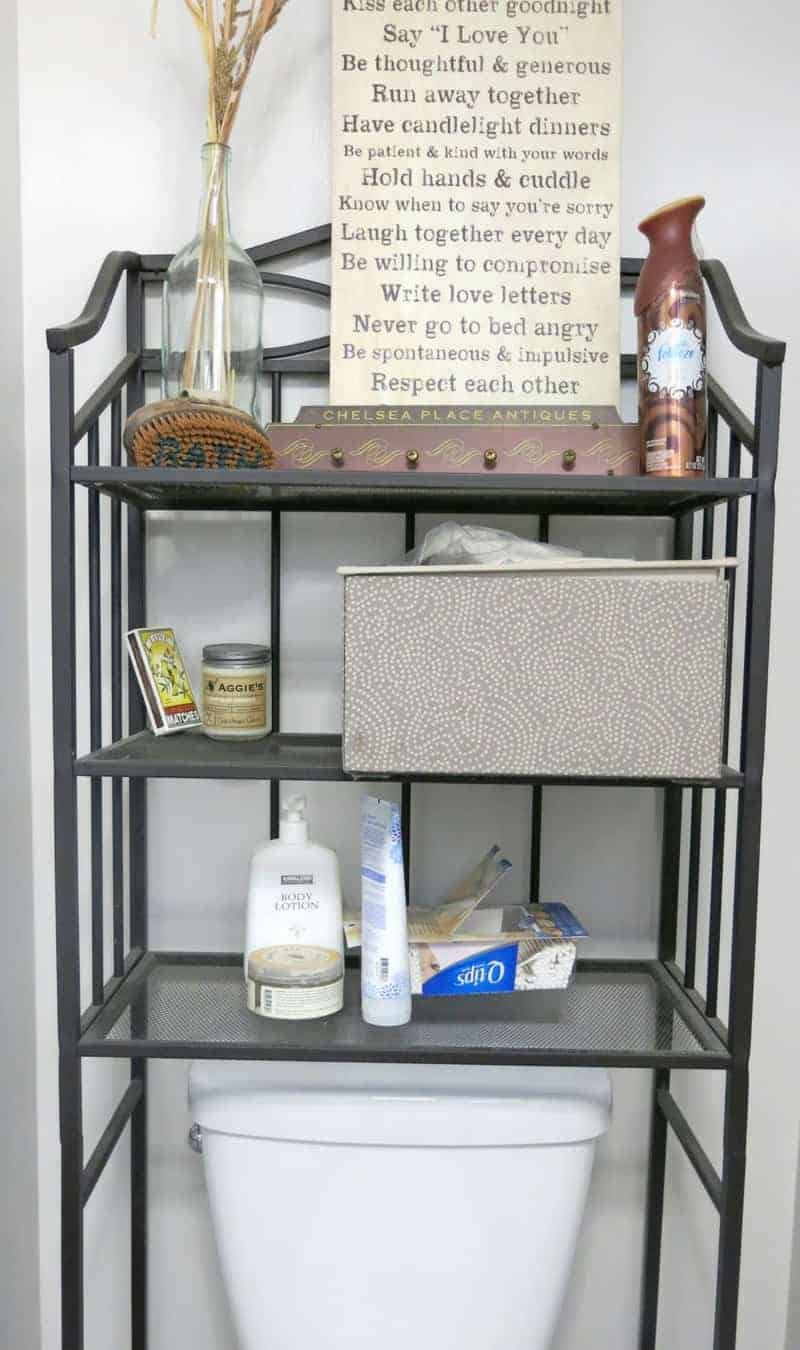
396	1207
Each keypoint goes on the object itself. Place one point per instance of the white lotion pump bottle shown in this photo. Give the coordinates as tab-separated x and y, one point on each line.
294	945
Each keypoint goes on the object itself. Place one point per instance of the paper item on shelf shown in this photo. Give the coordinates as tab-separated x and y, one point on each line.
443	921
547	923
480	881
457	923
456	545
555	920
452	542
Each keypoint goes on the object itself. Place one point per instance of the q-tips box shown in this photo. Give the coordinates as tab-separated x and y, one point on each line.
457	948
526	965
492	951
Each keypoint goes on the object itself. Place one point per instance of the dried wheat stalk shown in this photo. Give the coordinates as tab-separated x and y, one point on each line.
231	36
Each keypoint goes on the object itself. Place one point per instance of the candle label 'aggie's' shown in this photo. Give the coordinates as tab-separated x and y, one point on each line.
476	201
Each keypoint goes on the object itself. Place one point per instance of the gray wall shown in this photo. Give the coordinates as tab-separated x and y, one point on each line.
793	1313
19	1267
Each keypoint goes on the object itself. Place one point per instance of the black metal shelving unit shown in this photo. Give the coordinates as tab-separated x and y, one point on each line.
627	1013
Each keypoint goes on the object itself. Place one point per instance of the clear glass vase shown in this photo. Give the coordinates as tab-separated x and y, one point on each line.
211	307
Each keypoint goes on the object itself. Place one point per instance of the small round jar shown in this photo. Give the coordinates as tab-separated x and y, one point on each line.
236	691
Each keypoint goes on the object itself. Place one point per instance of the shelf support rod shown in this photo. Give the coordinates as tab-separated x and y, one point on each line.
275	587
691	1145
109	1139
94	1010
62	422
745	899
672	818
137	807
405	788
720	796
537	793
656	1177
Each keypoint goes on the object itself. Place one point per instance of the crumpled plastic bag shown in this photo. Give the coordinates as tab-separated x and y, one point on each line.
451	543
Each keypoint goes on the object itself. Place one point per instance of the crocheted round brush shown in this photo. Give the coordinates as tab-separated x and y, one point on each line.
186	433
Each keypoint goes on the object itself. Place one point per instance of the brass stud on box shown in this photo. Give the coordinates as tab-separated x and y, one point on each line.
490	458
337	456
412	458
569	459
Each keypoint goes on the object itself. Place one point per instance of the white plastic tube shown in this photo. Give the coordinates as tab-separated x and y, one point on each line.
385	981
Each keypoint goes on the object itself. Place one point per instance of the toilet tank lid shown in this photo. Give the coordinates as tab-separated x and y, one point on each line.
401	1105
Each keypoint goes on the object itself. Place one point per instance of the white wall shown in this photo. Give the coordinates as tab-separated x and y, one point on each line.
793	1317
19	1282
111	126
19	1273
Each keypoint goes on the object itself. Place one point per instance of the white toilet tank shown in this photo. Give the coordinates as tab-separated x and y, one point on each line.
396	1207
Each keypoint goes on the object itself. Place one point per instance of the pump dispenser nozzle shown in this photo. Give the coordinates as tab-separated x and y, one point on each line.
294	826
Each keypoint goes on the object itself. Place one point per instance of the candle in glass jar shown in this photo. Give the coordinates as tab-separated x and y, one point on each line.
236	691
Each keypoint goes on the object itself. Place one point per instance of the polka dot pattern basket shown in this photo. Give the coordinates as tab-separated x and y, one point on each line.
185	433
528	673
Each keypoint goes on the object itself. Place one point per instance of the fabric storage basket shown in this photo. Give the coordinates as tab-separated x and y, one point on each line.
584	668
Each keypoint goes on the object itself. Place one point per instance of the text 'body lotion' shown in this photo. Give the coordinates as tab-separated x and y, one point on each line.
294	947
385	980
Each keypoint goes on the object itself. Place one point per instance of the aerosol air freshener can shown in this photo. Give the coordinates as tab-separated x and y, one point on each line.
670	306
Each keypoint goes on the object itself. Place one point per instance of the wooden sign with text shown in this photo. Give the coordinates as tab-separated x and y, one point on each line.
476	201
453	439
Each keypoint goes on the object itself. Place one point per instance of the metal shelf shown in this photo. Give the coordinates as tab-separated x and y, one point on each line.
338	490
191	754
646	1014
307	759
179	1006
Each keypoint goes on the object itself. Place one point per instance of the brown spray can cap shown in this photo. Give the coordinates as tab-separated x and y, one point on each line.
669	231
